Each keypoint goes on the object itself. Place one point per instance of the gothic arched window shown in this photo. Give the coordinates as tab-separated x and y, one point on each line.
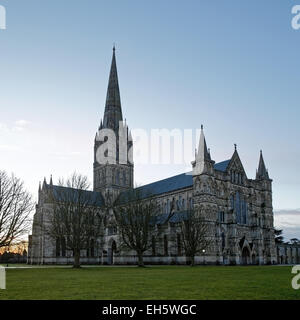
168	206
238	207
58	247
179	249
113	175
166	245
118	177
223	240
92	248
191	203
232	202
244	212
221	216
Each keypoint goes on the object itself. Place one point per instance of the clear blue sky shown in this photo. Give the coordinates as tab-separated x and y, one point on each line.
232	65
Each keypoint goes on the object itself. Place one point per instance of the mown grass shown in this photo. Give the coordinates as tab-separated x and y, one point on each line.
162	282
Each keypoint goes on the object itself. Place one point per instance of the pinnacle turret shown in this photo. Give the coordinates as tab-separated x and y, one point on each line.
203	162
202	153
262	172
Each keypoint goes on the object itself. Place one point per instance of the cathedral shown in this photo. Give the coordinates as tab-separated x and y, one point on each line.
238	209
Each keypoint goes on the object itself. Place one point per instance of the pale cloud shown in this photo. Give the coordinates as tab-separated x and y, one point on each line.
6	147
3	127
287	212
18	129
20	125
10	135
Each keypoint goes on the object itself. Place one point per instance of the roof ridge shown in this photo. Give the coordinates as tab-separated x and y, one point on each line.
70	188
177	175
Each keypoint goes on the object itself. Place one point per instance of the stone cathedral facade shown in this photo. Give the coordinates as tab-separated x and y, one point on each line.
238	209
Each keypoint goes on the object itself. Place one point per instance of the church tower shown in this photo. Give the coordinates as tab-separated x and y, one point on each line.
113	164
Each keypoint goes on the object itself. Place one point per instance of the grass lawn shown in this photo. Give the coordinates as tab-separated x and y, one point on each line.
161	282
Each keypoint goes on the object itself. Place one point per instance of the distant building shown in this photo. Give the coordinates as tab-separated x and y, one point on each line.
288	253
237	208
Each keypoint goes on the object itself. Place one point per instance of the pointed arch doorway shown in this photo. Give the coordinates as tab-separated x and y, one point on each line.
245	256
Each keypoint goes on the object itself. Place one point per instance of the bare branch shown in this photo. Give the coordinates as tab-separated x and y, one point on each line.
135	215
195	234
15	207
76	218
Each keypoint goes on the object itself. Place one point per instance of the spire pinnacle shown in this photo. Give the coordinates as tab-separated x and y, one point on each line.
203	153
203	163
44	184
262	172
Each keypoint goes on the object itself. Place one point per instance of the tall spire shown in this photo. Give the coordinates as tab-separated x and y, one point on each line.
113	110
113	170
262	172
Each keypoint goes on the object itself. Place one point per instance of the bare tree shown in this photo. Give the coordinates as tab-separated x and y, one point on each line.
195	234
295	241
278	236
136	216
76	219
15	207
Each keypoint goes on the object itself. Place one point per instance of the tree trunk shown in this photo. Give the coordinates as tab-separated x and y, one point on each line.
76	259
192	261
140	259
